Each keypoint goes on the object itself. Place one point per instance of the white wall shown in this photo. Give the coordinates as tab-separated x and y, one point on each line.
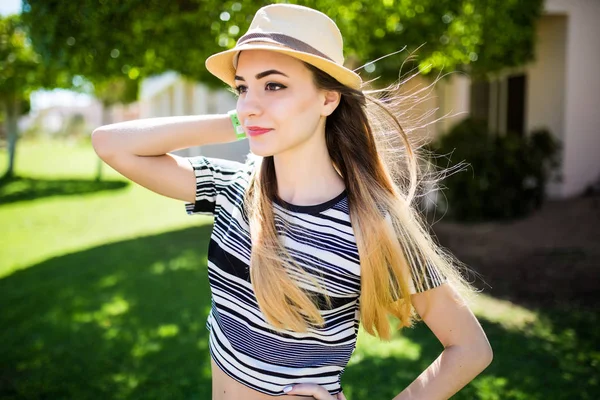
582	95
435	108
546	79
454	101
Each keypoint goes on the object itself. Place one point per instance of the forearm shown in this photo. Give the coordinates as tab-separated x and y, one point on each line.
158	136
450	372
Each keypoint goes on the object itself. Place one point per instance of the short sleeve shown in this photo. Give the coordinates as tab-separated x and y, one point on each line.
423	279
420	279
213	175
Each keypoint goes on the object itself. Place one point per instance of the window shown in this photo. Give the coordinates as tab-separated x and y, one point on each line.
501	103
515	107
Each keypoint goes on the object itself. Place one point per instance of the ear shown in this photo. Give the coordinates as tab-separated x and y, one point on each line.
331	101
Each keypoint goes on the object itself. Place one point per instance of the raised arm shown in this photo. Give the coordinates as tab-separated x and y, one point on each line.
139	150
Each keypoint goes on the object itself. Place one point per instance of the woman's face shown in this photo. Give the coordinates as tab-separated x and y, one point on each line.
279	105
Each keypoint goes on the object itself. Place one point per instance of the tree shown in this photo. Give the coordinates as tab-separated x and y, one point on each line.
476	36
130	38
17	77
137	38
92	57
20	73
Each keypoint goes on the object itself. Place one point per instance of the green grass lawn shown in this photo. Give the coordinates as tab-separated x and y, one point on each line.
104	295
58	208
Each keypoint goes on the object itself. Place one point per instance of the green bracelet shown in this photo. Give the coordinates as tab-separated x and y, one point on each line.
237	126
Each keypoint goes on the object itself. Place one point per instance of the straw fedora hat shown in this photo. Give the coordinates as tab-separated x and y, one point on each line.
300	32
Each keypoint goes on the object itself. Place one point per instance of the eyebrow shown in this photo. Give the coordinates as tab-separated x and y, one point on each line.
263	74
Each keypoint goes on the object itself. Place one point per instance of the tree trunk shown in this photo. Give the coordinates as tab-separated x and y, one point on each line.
106	119
12	107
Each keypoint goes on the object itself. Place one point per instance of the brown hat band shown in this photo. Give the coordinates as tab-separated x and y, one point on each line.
285	40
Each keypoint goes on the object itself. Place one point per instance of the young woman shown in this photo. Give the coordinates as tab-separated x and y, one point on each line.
317	232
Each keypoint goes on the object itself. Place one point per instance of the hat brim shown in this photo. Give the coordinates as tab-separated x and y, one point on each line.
221	64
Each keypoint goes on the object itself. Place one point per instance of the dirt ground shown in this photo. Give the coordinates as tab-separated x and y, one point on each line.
551	258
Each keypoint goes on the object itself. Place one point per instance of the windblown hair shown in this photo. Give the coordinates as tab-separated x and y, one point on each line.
383	176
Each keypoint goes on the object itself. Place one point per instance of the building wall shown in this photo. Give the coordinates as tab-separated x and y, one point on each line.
454	101
546	92
562	93
581	156
431	108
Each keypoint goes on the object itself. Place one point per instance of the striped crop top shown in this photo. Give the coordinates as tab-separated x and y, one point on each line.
320	239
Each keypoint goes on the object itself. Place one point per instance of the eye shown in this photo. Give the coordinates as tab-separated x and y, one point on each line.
241	89
271	86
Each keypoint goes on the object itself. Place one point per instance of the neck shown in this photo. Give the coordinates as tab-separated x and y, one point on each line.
305	174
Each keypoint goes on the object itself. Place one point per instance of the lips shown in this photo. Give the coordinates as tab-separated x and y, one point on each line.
257	130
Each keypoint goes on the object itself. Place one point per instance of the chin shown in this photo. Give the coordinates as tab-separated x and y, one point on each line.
261	151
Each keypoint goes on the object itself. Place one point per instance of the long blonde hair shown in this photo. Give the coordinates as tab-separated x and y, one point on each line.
382	173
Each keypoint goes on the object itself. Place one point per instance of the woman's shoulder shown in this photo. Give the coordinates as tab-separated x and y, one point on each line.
222	166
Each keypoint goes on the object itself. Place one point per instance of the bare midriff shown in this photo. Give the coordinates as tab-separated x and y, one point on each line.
225	387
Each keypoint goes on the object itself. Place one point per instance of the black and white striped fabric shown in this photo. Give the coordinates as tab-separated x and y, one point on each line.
321	241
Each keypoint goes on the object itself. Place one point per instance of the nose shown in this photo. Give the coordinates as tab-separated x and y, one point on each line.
249	105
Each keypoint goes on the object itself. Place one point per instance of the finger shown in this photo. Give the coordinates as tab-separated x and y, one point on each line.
310	389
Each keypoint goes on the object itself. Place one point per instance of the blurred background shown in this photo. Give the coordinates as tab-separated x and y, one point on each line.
103	284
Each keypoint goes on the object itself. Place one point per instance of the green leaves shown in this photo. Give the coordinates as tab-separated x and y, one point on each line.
18	62
135	38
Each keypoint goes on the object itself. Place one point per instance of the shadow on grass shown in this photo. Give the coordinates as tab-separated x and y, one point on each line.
17	189
127	321
123	320
556	358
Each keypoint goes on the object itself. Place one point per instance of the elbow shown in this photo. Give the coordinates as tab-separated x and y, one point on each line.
487	356
483	354
478	355
101	142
